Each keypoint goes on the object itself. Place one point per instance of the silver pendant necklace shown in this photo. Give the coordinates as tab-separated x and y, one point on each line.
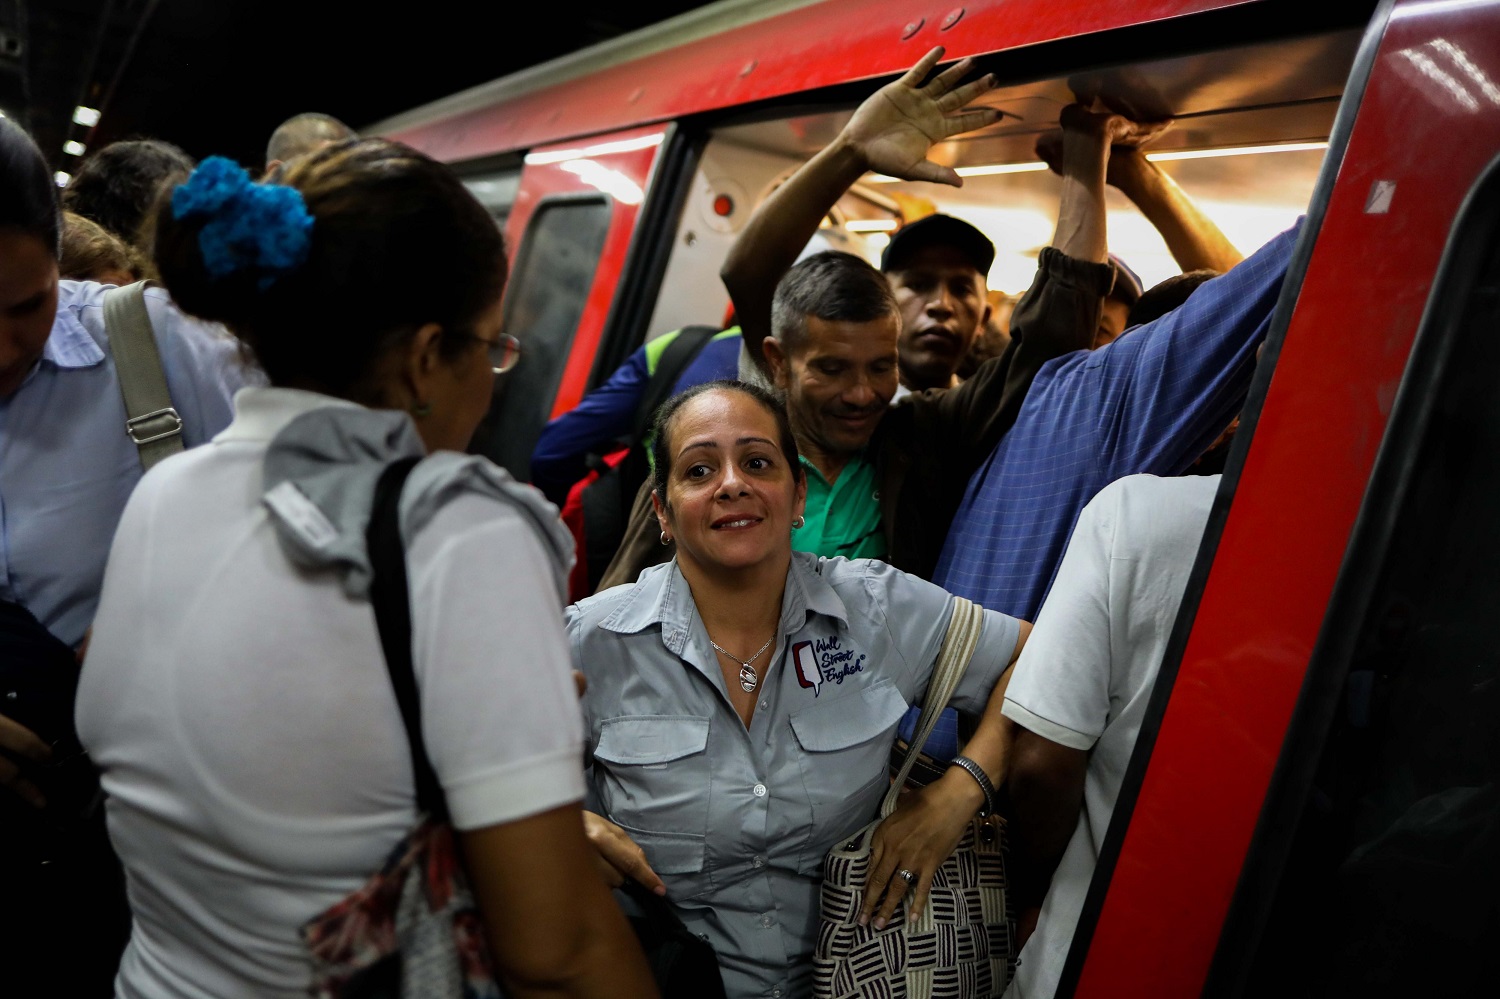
749	679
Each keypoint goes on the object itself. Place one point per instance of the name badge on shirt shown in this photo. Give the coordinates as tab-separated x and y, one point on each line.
825	661
301	515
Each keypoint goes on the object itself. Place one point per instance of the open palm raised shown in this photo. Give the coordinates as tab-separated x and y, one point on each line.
897	126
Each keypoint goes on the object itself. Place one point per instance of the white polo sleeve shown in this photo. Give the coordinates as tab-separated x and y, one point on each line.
500	711
1060	687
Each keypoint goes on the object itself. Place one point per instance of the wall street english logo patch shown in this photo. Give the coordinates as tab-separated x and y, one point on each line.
825	661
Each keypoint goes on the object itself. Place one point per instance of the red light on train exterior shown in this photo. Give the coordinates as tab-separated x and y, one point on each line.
723	206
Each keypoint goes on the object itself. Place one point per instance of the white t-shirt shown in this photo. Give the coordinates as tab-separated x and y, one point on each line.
254	757
1086	673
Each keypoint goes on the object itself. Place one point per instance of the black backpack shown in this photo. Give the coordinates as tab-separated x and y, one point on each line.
607	500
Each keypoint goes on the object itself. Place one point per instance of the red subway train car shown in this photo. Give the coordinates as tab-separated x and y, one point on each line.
1313	806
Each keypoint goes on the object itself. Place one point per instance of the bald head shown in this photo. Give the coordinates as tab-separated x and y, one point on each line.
303	134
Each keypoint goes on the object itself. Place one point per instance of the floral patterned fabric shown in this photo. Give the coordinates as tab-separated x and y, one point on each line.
417	914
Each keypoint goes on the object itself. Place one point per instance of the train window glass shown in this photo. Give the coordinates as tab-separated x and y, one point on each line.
1251	126
548	289
1389	887
496	191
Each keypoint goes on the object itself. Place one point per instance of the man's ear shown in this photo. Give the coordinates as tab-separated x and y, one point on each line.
777	361
984	317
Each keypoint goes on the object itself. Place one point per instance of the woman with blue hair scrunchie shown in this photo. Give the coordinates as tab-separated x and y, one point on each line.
236	696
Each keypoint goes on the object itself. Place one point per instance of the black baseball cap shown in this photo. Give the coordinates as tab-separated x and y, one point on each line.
939	230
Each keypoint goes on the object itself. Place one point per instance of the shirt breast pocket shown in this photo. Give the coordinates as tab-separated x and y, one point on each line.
652	772
845	744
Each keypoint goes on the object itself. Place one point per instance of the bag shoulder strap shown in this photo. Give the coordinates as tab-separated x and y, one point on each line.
392	605
151	421
964	627
669	367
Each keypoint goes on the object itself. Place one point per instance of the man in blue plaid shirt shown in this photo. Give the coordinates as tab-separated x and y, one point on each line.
1152	401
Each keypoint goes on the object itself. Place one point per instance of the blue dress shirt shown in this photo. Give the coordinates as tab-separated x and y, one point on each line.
66	463
1152	401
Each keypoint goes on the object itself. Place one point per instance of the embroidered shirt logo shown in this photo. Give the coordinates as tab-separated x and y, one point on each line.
825	661
807	666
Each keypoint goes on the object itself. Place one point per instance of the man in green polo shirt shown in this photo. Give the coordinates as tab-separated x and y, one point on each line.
833	358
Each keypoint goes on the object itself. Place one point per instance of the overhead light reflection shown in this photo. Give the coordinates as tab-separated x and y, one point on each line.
87	117
602	178
871	225
1424	65
599	149
1461	59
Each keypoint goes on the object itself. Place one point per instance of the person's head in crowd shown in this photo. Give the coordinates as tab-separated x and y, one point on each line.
832	351
994	338
302	134
1114	318
1168	295
726	482
372	275
118	186
91	252
937	267
30	230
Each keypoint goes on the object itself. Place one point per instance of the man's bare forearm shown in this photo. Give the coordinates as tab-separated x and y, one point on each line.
1081	225
779	230
1195	241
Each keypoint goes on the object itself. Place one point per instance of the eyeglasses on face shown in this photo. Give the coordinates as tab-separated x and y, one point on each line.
504	351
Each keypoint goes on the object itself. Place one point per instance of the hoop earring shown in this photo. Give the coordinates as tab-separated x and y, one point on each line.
421	409
797	523
666	539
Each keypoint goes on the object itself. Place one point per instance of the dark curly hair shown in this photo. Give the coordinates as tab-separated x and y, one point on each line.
118	186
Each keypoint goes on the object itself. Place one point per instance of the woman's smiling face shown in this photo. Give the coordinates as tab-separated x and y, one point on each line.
731	493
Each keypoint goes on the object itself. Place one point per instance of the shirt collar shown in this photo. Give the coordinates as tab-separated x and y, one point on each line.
261	413
661	596
69	345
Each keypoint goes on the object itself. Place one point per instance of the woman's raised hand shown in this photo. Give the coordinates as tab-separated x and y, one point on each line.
897	126
618	855
919	835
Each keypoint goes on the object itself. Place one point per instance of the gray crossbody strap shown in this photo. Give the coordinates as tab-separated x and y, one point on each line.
964	627
151	421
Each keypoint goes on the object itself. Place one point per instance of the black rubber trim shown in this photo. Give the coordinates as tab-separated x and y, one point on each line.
1348	607
651	246
1161	694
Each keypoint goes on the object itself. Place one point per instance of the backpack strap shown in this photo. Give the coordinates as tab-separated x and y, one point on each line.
392	605
669	367
151	421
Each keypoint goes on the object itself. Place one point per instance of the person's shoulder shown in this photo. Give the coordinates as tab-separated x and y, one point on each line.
171	323
590	615
1151	512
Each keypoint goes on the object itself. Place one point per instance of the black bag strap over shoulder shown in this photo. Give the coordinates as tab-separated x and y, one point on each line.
391	602
673	361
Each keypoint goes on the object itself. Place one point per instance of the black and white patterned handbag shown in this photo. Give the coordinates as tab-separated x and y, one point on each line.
963	944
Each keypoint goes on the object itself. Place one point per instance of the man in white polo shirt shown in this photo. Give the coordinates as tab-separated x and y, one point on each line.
1081	687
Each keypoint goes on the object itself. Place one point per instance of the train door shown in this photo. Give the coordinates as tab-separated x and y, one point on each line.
574	210
1311	806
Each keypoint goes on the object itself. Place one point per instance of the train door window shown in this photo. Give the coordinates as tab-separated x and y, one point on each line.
496	190
1251	128
1390	883
548	289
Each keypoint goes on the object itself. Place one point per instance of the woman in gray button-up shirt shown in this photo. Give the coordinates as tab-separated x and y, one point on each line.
742	701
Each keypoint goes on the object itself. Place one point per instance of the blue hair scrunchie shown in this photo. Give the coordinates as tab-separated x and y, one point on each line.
260	227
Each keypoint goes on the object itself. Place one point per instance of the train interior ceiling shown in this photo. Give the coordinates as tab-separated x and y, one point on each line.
1251	124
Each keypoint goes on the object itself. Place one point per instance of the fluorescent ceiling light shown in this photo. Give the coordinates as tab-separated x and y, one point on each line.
995	168
1207	154
599	149
74	148
62	178
870	225
87	117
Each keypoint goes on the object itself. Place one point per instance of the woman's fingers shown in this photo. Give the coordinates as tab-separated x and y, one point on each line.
622	856
918	901
895	890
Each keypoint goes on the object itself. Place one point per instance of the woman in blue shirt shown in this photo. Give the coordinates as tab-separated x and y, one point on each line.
742	701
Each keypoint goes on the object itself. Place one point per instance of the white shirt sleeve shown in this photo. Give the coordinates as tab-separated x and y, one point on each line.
1060	687
499	708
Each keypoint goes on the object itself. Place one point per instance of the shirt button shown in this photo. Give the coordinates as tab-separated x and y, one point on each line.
767	921
759	790
765	704
757	861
